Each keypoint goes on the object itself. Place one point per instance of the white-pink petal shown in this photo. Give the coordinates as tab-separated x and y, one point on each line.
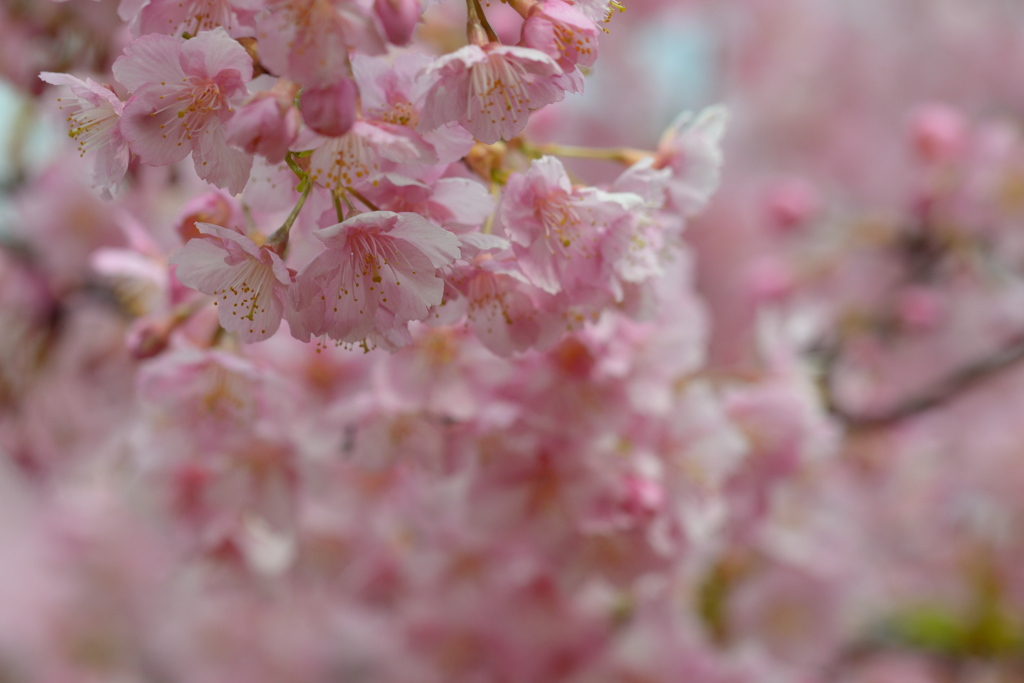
249	283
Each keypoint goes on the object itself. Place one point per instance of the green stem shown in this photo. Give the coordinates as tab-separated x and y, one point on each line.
294	165
337	205
624	155
351	209
488	226
370	205
250	223
477	20
278	241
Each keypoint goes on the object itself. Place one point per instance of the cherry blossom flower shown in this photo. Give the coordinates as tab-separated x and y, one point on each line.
565	238
491	90
691	147
456	204
249	283
792	611
93	117
220	394
308	41
503	309
393	92
562	32
267	126
655	230
376	273
139	272
359	154
385	138
598	10
175	17
183	94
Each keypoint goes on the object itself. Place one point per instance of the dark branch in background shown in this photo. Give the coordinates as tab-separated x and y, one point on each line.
252	47
937	395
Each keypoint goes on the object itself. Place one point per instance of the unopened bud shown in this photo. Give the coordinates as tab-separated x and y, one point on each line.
266	126
148	338
399	18
215	207
330	110
769	279
920	308
485	159
938	133
791	203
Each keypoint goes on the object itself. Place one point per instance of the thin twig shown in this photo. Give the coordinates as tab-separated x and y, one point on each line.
943	391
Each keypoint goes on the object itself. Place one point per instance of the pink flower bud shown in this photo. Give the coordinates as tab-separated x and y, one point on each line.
791	203
190	481
398	17
330	110
214	207
769	279
266	126
921	308
643	497
938	133
177	293
148	338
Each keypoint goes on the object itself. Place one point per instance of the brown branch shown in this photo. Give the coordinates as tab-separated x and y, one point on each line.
948	388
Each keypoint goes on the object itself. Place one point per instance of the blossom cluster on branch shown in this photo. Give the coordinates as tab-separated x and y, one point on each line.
376	139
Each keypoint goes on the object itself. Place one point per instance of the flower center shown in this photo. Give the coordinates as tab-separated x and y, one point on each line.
560	221
497	86
89	126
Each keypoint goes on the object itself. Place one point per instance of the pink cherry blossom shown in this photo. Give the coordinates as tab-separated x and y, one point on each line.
174	17
562	32
506	313
793	612
491	90
184	92
359	154
308	41
94	122
385	136
249	283
392	91
330	109
399	18
598	11
565	238
691	147
656	230
938	132
376	273
218	393
456	204
267	126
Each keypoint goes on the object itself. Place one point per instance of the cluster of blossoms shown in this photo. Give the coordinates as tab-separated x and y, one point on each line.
374	143
319	362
